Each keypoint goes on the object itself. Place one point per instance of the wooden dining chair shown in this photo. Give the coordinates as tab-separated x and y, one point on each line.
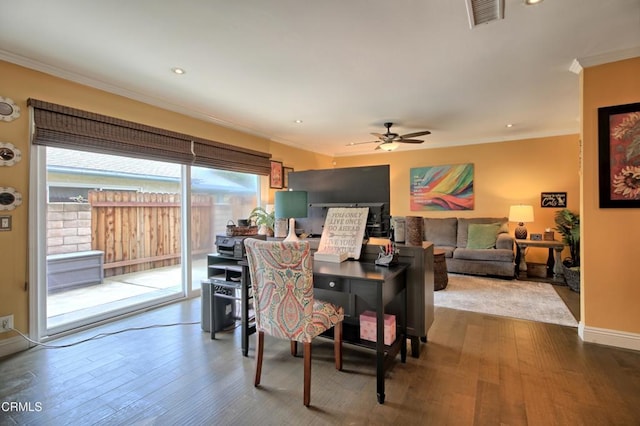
282	280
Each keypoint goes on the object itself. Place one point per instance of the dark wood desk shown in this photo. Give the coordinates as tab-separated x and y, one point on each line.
356	286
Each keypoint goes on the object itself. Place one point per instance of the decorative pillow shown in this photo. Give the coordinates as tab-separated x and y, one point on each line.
482	236
463	227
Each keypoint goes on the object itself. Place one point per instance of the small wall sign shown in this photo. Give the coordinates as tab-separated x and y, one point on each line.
556	200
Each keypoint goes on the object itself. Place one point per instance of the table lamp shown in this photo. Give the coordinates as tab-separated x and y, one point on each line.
290	205
521	213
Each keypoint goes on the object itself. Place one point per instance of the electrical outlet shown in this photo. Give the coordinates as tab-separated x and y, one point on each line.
6	323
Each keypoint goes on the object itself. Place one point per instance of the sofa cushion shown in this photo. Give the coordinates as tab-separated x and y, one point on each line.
441	231
463	227
448	250
482	235
499	255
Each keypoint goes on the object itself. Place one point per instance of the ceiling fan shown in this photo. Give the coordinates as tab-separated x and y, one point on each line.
391	141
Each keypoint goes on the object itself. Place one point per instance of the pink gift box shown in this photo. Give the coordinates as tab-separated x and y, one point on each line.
368	327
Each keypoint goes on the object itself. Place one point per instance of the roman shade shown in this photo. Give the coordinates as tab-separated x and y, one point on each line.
65	127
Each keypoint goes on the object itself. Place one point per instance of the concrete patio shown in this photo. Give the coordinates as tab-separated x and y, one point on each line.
117	292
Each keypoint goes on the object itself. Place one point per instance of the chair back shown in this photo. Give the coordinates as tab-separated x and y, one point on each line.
282	279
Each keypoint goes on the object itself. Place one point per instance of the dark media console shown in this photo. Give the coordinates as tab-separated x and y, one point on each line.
369	187
346	187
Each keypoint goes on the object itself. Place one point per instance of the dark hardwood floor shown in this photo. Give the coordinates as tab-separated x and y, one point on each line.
570	298
475	370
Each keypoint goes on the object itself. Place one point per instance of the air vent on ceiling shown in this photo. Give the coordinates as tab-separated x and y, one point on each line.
484	11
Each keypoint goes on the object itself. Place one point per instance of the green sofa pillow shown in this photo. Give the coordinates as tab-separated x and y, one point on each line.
482	236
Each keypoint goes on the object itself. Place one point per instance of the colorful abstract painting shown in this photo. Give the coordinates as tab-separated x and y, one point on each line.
442	188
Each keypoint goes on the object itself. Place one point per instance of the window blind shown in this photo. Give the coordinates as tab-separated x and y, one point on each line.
65	127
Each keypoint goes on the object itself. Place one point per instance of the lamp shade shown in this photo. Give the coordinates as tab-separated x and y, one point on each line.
291	204
521	213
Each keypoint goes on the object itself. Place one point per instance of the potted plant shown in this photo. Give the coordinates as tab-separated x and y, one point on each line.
568	225
263	219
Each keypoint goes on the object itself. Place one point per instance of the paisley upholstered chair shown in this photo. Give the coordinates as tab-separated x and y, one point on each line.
282	279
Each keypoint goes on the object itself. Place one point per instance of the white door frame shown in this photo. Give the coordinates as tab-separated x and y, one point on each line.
37	283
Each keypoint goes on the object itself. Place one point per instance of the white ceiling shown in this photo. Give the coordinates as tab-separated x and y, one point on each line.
343	67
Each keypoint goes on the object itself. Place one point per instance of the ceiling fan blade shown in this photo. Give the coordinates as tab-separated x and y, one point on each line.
390	139
409	141
361	143
412	135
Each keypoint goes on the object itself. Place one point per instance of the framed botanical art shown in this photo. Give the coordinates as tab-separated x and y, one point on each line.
275	177
619	155
285	176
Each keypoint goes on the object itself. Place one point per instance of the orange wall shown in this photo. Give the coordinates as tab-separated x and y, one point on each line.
505	173
19	84
610	287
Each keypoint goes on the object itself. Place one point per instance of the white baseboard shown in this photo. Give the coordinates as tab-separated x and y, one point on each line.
603	336
13	345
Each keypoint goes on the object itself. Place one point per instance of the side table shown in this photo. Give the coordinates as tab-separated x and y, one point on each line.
553	261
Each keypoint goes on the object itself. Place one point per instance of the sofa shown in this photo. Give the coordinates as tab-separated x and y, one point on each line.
478	246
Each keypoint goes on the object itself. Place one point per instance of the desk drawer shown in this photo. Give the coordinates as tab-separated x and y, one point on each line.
329	282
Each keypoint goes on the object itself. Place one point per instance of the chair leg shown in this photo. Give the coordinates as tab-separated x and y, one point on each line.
337	345
307	373
259	351
294	348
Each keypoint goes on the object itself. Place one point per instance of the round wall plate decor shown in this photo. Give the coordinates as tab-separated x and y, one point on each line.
9	111
9	154
9	198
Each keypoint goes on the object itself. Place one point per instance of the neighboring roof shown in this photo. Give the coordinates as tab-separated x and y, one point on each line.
70	161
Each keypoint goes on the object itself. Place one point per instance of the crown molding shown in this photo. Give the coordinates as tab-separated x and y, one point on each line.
580	64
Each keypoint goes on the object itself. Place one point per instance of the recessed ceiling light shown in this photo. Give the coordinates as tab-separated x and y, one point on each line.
531	2
178	71
508	125
297	121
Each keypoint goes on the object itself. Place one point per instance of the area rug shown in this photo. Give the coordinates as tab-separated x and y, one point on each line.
528	300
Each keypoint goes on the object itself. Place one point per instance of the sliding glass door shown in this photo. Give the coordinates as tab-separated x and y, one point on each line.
113	227
111	232
217	198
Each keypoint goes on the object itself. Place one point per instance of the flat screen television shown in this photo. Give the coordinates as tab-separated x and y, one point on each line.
367	186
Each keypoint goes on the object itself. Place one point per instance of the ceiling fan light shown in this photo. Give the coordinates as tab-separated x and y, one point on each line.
389	146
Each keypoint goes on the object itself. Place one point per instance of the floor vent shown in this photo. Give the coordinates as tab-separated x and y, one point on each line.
484	11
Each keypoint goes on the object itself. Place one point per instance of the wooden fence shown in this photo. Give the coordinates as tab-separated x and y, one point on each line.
141	231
